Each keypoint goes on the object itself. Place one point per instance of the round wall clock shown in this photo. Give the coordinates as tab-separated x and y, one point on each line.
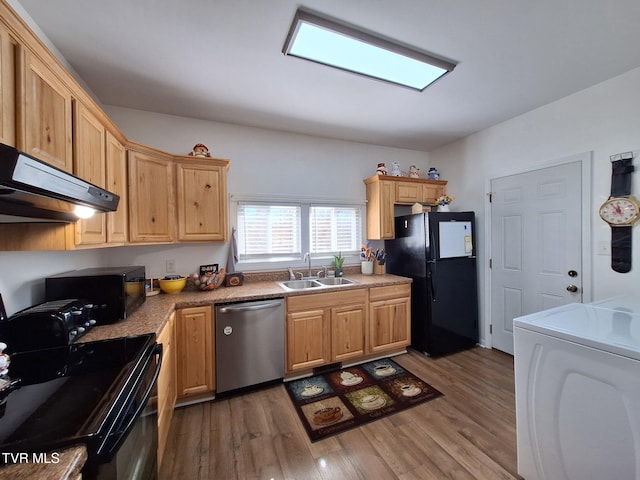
621	211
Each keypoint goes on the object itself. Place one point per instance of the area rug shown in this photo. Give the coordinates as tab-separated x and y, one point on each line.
337	401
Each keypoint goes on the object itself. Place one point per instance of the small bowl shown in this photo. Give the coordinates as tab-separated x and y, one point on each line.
172	285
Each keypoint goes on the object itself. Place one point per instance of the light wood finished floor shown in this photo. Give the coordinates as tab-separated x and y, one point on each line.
469	433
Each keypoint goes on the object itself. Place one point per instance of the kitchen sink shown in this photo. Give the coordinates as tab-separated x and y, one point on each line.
333	281
310	284
300	284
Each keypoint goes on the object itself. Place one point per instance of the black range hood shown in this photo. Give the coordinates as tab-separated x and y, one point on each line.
34	191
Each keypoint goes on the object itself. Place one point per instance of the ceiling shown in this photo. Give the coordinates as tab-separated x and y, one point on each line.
221	60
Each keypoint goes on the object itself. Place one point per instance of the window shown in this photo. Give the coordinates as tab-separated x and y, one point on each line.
334	229
268	231
272	231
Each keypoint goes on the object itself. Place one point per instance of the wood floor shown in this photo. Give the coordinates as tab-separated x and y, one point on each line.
469	433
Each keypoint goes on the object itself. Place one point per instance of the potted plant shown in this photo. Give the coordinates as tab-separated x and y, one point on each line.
338	260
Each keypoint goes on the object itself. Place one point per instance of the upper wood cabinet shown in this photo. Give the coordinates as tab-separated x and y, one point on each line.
384	192
166	191
151	196
44	113
202	199
380	201
90	164
117	222
99	158
7	88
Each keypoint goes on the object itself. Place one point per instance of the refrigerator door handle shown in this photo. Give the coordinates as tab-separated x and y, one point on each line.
432	291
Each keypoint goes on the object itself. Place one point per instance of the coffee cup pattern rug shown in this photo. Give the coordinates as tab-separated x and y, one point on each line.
337	401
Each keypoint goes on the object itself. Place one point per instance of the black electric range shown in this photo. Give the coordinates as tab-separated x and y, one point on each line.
85	393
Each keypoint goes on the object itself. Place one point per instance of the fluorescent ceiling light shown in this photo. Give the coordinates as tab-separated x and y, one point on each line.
331	43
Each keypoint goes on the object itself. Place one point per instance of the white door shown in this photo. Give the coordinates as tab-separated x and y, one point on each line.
536	245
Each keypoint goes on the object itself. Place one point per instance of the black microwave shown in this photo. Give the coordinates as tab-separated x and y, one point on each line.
114	292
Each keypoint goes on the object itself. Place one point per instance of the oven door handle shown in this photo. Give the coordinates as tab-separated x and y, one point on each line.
157	350
107	449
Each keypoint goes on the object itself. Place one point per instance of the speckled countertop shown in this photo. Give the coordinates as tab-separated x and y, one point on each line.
155	311
151	318
65	464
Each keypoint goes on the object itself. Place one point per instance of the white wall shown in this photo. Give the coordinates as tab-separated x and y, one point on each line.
263	162
603	119
22	274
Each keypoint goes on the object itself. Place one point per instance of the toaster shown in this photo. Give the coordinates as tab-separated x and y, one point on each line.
49	324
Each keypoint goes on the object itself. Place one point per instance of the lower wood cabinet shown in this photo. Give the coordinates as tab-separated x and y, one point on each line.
389	317
166	386
195	346
308	341
348	331
324	328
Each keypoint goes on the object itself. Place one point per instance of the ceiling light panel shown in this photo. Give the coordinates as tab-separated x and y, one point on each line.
337	45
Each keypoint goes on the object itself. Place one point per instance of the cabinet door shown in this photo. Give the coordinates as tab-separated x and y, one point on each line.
45	114
430	193
347	332
201	202
195	356
7	89
308	343
90	165
389	324
117	183
151	198
408	192
380	218
166	385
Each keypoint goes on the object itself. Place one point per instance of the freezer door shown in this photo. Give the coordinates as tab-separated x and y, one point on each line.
452	234
407	253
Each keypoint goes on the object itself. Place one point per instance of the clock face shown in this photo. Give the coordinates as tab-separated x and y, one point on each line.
619	211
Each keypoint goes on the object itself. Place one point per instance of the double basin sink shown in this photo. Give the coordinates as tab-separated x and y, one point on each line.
313	283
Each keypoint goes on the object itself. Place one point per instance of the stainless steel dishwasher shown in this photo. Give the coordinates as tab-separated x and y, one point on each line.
249	343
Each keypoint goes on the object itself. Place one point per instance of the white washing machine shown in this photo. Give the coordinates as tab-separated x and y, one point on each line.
577	377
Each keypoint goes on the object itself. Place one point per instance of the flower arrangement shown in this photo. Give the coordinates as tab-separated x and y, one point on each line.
444	200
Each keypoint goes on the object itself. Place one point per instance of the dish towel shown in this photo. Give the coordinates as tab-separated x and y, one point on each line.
232	259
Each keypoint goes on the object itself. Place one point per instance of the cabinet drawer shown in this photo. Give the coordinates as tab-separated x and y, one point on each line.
321	300
391	291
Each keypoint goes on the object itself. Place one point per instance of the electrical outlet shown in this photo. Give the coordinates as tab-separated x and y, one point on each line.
604	247
171	266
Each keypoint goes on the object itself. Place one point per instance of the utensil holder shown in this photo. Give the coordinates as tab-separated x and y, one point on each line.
379	269
367	268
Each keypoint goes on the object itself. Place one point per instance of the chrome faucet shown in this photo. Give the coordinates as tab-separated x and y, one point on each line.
307	258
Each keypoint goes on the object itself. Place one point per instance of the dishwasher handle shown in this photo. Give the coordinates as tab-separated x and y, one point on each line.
248	307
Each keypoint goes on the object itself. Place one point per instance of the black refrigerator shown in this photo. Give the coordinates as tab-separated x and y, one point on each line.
438	251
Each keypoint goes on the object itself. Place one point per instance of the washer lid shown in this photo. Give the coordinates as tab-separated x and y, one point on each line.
611	325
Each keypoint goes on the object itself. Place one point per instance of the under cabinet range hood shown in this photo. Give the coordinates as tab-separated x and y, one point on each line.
34	191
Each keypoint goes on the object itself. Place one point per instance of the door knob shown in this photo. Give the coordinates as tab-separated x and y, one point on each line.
572	288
